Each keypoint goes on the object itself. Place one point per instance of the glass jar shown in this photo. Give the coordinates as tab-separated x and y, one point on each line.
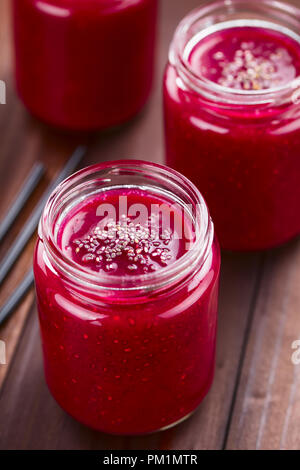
84	64
240	145
127	354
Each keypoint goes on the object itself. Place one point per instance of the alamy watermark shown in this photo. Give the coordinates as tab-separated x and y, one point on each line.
296	354
144	234
2	92
2	353
156	221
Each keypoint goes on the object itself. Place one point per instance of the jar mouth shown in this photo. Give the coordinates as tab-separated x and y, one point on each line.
206	20
109	175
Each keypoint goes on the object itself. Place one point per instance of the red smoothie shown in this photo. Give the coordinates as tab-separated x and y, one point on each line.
120	245
232	124
84	64
246	58
127	299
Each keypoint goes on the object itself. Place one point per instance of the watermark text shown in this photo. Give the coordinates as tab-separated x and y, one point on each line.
296	355
2	92
2	353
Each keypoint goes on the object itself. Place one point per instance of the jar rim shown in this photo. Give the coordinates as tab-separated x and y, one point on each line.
215	91
181	268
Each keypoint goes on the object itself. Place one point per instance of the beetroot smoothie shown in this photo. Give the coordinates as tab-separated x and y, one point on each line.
84	64
120	245
246	58
127	297
232	121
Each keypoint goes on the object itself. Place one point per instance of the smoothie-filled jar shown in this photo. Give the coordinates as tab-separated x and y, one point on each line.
232	117
127	271
84	64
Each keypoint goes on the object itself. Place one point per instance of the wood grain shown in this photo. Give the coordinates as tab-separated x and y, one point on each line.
267	411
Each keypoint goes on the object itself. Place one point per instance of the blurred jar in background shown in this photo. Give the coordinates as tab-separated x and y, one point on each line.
84	64
232	117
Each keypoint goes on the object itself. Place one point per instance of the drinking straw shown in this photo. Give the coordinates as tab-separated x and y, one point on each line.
14	300
29	186
31	225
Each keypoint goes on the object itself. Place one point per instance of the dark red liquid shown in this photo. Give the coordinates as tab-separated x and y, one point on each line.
84	64
126	365
243	158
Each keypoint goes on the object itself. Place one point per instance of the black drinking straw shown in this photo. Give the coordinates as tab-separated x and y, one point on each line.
29	186
14	300
31	225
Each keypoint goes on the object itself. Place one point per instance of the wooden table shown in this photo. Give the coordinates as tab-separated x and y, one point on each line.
255	399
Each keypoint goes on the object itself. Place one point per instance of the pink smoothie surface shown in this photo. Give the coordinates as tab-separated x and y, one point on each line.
140	240
247	58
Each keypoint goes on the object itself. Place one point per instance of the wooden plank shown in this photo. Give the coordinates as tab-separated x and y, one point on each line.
5	40
267	411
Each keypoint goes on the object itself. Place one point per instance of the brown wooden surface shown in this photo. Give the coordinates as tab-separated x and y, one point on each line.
255	399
